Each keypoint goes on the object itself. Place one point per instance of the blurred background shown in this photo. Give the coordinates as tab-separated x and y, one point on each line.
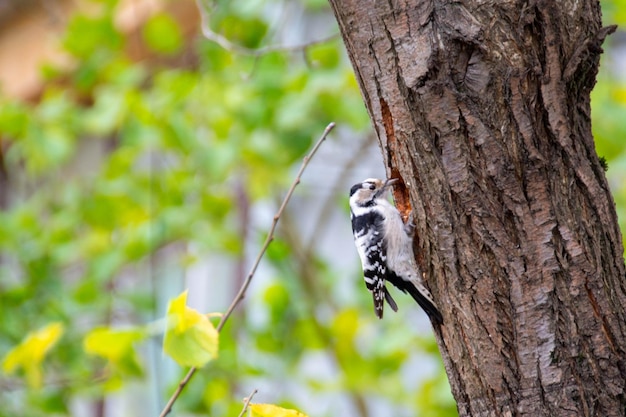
145	146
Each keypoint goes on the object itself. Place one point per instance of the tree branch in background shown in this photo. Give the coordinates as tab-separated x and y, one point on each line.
242	291
254	52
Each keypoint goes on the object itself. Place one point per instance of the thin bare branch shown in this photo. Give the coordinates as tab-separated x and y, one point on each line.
242	291
246	402
270	235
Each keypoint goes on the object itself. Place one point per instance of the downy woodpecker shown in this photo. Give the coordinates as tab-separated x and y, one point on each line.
385	246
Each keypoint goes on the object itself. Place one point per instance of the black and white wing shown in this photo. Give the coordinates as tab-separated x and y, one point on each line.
373	253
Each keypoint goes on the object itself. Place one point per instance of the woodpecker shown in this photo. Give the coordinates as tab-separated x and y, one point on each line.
385	245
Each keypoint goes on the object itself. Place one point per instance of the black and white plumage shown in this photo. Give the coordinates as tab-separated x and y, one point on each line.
385	246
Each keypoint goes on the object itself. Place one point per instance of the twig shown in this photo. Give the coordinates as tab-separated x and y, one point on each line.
242	291
258	52
270	235
246	402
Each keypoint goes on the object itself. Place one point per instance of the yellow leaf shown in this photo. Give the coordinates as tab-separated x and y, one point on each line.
346	324
96	241
619	94
30	353
190	338
117	346
270	410
180	317
109	343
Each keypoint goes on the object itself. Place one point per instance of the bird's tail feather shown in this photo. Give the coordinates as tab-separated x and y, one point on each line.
429	307
390	300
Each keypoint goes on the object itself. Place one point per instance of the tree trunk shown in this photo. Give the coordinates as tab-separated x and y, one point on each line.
482	110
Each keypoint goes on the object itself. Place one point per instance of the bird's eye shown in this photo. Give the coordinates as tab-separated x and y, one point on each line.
372	186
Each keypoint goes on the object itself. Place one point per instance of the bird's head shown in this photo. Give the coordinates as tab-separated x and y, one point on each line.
369	190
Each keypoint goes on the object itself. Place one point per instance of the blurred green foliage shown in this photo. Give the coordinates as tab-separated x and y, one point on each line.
122	160
608	107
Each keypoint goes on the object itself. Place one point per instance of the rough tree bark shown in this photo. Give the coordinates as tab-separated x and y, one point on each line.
482	109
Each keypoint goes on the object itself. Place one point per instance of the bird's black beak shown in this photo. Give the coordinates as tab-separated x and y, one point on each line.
391	182
385	187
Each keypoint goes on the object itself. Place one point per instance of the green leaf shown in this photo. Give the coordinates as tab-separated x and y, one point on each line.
14	118
87	34
247	31
270	410
190	338
162	34
30	353
324	55
51	401
106	113
278	251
